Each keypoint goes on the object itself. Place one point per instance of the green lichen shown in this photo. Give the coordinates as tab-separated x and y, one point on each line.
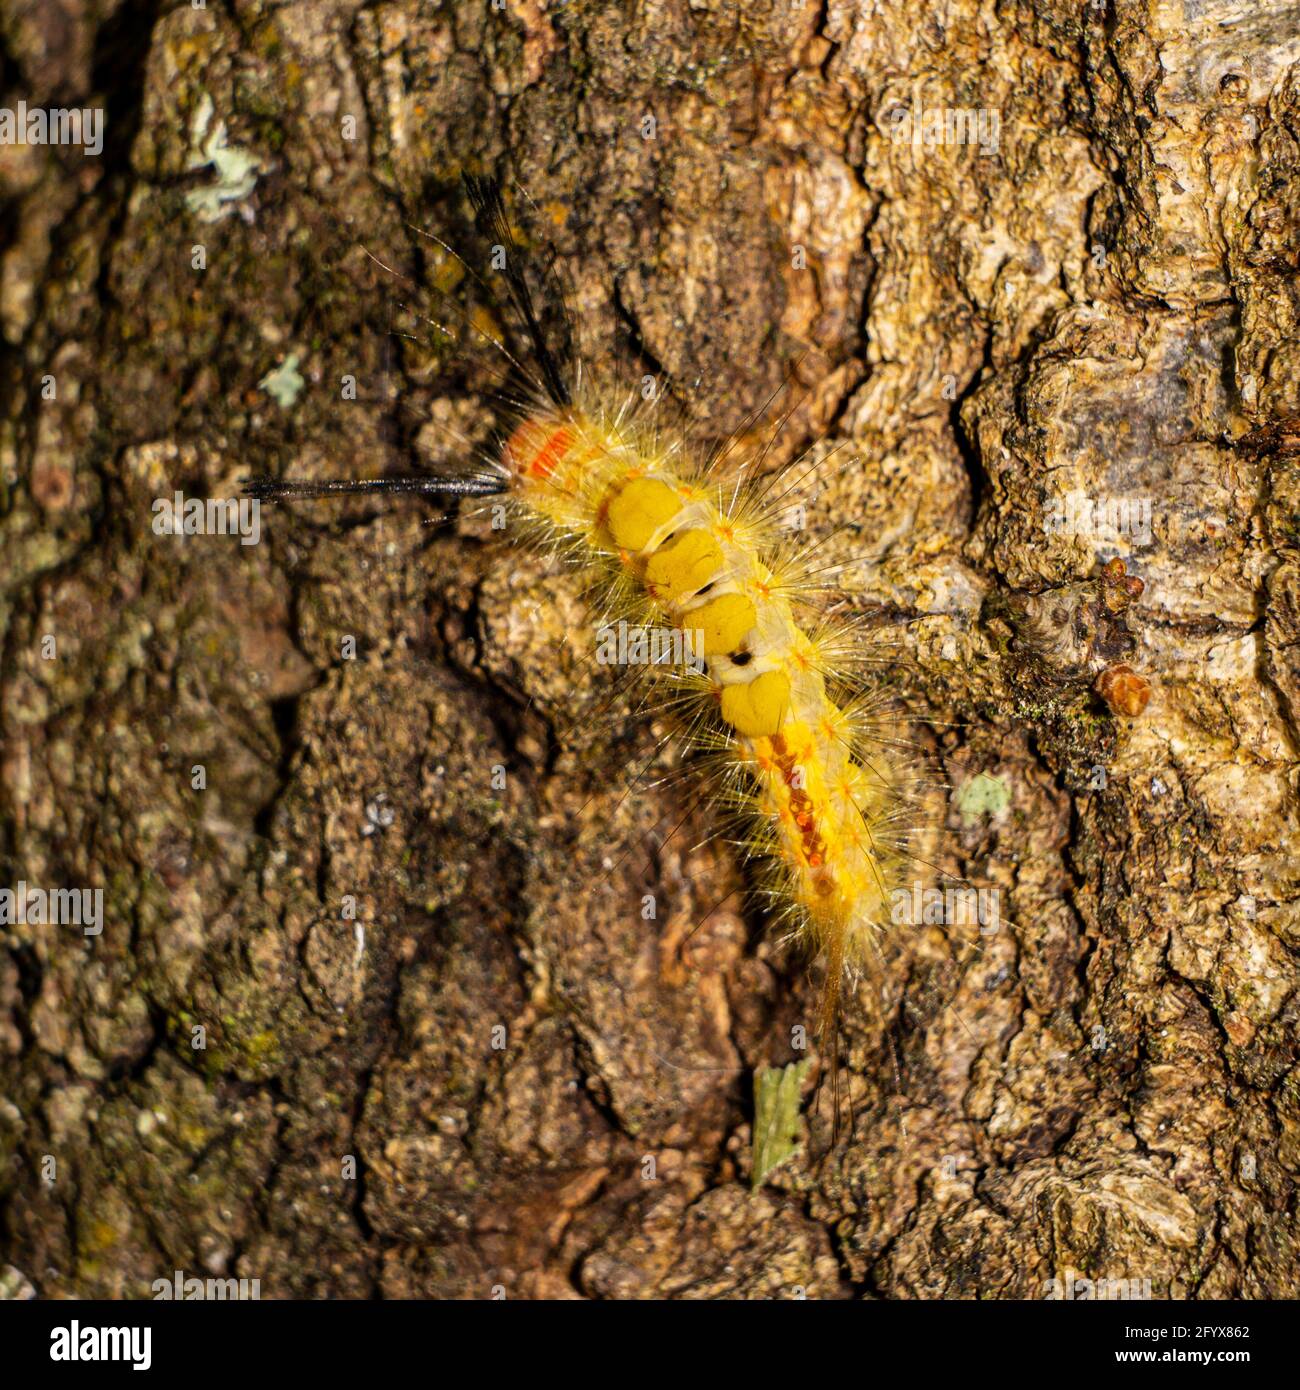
284	383
983	795
776	1116
236	168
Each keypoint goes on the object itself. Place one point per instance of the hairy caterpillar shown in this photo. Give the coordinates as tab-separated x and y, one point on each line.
691	542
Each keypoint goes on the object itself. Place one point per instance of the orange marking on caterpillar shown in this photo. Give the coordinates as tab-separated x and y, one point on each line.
801	810
536	449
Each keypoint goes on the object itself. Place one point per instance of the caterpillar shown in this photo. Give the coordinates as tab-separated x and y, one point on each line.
686	541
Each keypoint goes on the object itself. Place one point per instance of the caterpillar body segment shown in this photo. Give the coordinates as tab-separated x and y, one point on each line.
682	549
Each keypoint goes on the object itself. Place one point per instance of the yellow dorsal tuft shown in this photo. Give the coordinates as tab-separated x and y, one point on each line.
638	510
757	708
686	564
724	621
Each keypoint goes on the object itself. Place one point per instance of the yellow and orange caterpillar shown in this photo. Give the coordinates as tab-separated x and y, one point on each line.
677	543
685	551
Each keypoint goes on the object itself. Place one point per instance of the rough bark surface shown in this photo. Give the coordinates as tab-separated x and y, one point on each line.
1104	304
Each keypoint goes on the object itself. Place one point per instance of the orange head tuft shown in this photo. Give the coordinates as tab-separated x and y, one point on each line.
536	448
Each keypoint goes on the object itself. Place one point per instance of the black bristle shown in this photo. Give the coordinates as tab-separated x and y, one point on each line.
267	489
490	215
